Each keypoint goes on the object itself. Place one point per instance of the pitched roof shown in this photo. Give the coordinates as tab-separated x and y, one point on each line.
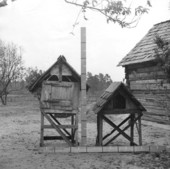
45	75
144	50
109	92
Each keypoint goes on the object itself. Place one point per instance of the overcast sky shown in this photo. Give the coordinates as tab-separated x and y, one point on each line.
42	28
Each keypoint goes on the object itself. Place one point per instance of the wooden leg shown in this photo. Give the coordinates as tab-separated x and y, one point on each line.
97	137
72	130
42	131
100	129
140	131
132	129
76	131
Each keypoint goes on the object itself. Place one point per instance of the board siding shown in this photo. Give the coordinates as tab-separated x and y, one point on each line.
149	84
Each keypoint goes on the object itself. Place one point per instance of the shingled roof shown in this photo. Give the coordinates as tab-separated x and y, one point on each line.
109	93
144	50
46	74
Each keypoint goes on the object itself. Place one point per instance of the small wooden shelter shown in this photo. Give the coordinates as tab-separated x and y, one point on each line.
117	100
58	90
146	75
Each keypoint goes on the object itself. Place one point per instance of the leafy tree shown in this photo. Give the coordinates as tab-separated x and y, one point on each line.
11	67
32	74
98	83
116	11
4	3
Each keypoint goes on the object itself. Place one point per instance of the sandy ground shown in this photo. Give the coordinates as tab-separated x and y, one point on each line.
19	144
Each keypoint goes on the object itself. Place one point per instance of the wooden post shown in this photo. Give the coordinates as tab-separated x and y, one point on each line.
100	129
72	130
140	131
132	129
42	130
83	87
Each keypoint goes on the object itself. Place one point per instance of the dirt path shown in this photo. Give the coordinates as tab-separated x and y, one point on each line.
19	145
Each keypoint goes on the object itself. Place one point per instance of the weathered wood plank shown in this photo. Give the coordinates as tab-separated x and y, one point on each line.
140	65
146	76
149	86
66	112
55	137
67	126
150	81
152	92
58	84
144	68
149	69
152	103
160	96
61	126
121	111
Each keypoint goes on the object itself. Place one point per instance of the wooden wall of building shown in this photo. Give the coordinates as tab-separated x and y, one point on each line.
149	84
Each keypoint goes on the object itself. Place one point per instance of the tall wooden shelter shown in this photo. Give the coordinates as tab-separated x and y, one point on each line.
58	90
117	100
146	75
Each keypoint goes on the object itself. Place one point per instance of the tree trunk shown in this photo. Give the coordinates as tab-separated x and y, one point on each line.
4	99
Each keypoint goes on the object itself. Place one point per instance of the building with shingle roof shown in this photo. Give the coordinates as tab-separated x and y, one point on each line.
146	75
52	74
110	93
58	91
144	49
118	100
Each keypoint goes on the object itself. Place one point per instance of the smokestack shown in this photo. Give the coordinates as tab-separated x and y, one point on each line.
83	88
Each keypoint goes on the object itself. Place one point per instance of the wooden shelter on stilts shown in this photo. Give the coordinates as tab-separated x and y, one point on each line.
58	90
117	100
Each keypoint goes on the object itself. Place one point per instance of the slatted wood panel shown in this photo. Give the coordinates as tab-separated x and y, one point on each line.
60	96
150	85
60	100
65	70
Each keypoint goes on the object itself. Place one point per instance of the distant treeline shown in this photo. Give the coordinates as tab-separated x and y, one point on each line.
98	83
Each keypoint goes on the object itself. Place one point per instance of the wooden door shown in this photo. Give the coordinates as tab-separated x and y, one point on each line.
60	95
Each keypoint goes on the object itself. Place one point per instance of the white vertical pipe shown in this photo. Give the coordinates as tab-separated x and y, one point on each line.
83	88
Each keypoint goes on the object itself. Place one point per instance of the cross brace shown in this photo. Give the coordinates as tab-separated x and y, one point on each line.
53	121
120	131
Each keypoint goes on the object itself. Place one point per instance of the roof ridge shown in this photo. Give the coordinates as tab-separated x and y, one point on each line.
61	57
162	22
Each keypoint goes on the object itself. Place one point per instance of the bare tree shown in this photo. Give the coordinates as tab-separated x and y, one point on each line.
11	67
116	11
